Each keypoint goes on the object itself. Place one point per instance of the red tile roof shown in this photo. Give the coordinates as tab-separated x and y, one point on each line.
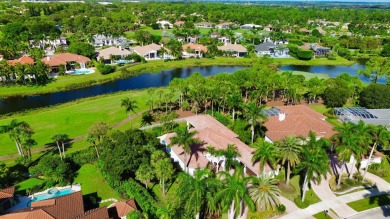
213	133
24	60
7	192
98	213
123	208
299	121
63	58
196	47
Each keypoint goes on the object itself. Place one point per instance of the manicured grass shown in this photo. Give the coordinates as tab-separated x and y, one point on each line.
322	215
320	108
383	171
28	184
318	61
368	203
309	75
91	181
72	119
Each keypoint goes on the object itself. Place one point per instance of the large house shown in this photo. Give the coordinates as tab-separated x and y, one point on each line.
250	26
61	41
319	51
271	49
102	40
210	132
297	121
70	206
106	54
237	50
204	25
194	50
6	199
24	60
226	25
151	51
66	59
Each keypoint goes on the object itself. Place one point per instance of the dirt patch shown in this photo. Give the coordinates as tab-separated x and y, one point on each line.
283	186
183	114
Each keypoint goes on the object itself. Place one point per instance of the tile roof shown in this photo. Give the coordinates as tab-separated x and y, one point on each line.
24	60
232	47
63	58
123	208
105	53
198	47
7	192
211	132
143	50
97	213
299	121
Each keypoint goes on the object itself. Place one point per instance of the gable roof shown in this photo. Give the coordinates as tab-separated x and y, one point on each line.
123	208
105	53
299	121
24	60
97	213
144	50
63	58
198	47
264	46
232	47
6	193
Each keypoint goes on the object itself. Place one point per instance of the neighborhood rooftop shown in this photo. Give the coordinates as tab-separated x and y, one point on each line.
369	116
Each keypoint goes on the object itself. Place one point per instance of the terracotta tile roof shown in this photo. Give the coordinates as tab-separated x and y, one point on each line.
196	47
63	58
41	214
211	132
299	121
123	208
232	47
43	203
97	213
7	192
24	60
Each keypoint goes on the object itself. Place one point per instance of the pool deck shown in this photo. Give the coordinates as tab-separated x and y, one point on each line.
24	200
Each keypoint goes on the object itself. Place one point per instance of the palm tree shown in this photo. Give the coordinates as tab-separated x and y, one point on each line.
290	149
254	113
15	130
184	138
234	194
166	212
361	146
264	193
380	136
60	139
129	105
315	162
230	154
265	153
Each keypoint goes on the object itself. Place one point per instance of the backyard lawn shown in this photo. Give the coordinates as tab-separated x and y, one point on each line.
92	181
368	203
28	184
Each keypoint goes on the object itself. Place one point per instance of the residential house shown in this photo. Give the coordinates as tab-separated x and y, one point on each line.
69	206
210	132
102	40
68	60
194	50
269	28
237	50
53	44
345	26
319	51
297	121
215	35
321	31
24	60
106	54
204	25
165	24
6	199
226	25
150	51
250	26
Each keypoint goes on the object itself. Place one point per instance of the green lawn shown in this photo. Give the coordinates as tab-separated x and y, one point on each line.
73	119
28	184
368	203
318	61
309	75
91	181
322	215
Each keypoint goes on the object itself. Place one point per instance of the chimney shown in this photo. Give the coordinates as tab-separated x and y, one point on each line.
282	116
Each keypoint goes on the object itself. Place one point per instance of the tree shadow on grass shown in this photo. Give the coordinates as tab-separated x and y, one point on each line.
91	201
382	200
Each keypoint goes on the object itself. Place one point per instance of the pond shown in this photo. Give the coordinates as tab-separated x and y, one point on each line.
146	80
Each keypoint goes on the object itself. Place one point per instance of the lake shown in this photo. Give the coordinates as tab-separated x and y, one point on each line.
146	80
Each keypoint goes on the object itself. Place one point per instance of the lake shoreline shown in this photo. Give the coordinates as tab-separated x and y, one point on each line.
155	67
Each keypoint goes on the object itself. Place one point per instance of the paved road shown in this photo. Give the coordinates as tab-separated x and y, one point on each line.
376	213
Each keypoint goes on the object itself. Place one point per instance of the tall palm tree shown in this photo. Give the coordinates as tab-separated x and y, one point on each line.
315	162
290	148
264	193
234	194
184	138
230	154
265	153
253	112
361	147
129	105
60	139
380	135
15	131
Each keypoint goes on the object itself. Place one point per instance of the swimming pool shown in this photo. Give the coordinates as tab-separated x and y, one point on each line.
81	71
47	195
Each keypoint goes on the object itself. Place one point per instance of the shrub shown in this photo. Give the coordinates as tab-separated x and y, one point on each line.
84	156
331	55
305	54
105	69
358	176
296	42
349	182
301	204
375	166
281	208
333	183
221	118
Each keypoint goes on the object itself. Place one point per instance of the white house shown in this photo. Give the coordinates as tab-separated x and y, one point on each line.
250	26
165	24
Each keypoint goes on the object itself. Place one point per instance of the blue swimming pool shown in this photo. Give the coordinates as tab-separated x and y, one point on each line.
82	71
45	196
